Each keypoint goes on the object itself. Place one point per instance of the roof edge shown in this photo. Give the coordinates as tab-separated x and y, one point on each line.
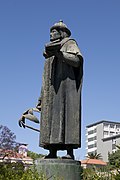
102	121
111	137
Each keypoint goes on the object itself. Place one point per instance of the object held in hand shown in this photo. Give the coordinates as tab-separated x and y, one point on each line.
30	116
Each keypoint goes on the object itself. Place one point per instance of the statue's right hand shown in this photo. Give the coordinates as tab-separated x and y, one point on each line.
48	54
45	54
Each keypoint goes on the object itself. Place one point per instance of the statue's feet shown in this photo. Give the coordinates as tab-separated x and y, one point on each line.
68	157
70	154
50	155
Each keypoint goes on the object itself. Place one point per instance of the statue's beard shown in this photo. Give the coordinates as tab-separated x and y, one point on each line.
56	40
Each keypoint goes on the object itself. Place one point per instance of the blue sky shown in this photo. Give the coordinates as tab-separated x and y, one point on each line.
24	29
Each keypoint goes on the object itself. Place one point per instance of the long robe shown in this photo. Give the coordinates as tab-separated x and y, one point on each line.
61	100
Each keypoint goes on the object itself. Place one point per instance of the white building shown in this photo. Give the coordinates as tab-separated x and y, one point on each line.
11	156
23	149
101	137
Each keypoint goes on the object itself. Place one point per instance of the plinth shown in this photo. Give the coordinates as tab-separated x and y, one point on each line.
62	169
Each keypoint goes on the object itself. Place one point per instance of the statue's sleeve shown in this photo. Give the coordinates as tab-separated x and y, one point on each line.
71	53
72	48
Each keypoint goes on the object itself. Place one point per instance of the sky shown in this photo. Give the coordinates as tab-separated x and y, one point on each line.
24	30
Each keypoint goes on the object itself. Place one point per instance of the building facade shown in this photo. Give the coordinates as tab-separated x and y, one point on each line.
88	163
101	137
11	156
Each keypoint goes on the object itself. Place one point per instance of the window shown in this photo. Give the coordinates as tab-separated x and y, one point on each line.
112	126
105	133
106	125
111	133
92	131
92	138
95	130
113	146
92	146
95	145
118	126
113	141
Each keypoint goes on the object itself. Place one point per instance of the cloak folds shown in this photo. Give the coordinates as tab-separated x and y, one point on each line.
60	122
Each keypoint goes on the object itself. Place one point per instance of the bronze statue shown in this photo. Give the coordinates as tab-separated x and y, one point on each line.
60	100
60	124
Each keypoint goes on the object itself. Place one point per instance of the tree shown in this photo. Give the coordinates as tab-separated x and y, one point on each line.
7	138
114	162
114	159
15	171
118	146
11	170
34	155
94	156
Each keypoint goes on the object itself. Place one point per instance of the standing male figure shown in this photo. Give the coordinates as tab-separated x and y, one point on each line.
60	124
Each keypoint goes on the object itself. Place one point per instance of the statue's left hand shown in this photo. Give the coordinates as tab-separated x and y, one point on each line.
21	122
30	116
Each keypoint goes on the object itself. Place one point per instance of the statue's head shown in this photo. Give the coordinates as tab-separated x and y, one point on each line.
59	31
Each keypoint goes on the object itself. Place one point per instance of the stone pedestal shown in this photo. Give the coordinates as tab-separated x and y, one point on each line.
60	169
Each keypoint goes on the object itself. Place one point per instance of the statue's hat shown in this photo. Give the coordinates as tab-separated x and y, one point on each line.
62	26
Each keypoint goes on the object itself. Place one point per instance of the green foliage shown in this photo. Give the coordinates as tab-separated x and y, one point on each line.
88	174
30	175
11	171
118	146
114	160
97	174
91	174
117	176
15	171
34	155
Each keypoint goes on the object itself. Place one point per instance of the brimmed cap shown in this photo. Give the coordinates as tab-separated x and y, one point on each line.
62	26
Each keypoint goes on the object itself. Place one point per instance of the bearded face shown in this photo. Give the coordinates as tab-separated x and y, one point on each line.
54	35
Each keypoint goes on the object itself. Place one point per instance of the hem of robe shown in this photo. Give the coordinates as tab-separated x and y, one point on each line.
60	146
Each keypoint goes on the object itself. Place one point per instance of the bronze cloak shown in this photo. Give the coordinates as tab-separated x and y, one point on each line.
60	122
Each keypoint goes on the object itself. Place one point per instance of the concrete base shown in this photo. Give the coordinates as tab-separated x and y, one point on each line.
62	169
